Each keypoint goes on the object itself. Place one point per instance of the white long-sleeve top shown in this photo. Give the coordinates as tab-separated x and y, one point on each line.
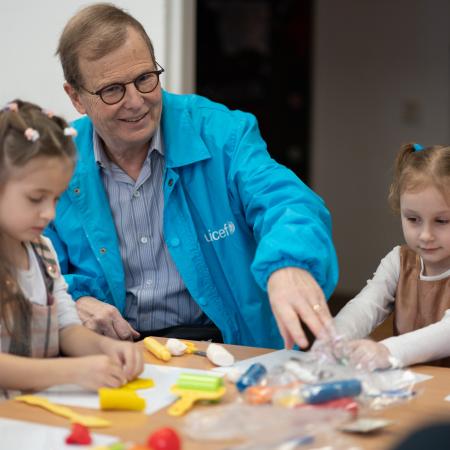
33	287
375	302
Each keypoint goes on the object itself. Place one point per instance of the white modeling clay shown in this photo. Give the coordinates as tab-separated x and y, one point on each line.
219	356
176	347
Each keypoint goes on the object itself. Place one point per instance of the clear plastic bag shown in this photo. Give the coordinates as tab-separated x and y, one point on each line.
250	427
325	374
380	387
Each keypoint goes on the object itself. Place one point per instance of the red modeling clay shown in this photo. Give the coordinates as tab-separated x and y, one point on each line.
79	435
164	439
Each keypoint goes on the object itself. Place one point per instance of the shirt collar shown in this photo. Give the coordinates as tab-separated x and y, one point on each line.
102	160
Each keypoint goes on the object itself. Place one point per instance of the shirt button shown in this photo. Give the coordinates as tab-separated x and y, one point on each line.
174	242
103	250
144	239
136	194
202	301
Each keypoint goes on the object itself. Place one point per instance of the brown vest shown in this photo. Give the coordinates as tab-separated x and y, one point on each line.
419	303
42	331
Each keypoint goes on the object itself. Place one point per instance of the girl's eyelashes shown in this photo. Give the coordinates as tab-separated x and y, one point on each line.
35	199
439	221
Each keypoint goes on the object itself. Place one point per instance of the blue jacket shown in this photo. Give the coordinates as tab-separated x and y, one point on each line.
232	216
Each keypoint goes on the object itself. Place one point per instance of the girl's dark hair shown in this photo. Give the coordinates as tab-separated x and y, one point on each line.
420	168
16	150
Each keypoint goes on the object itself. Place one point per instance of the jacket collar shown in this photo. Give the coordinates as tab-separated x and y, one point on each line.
182	142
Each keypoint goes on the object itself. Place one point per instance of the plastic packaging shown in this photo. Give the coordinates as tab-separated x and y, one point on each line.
251	377
333	390
264	427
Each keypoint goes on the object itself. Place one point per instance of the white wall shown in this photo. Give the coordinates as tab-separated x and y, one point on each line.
29	32
381	78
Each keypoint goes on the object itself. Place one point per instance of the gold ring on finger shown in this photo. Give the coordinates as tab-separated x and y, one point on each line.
317	307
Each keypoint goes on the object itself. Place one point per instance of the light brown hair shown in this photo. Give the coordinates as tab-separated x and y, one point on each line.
415	169
16	151
94	32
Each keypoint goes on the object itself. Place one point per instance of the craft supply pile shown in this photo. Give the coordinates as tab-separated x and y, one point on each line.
281	400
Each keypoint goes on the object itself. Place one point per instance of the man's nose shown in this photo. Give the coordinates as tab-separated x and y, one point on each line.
133	98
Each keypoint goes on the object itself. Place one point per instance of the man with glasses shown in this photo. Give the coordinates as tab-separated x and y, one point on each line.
176	222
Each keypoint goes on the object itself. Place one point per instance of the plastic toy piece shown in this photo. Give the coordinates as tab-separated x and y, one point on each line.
191	347
287	399
324	392
199	381
117	446
346	403
263	393
176	347
258	395
303	374
87	421
79	435
193	387
120	399
251	377
219	355
164	439
157	349
139	383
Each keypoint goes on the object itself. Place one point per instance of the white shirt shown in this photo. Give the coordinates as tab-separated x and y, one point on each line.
32	285
376	301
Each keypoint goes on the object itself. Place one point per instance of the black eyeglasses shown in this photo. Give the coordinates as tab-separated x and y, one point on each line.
145	83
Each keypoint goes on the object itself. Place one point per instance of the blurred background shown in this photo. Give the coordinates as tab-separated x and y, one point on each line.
337	87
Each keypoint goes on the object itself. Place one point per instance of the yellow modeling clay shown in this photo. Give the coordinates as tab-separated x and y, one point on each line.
122	399
139	383
157	349
191	347
87	421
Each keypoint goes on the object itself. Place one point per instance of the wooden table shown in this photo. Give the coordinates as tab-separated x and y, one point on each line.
427	407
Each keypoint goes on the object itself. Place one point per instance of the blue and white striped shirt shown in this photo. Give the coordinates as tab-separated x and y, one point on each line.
156	295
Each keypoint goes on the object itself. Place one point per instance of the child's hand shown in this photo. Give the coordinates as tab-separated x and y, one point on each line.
125	354
93	372
368	354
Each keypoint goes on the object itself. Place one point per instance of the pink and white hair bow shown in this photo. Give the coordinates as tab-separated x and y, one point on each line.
31	134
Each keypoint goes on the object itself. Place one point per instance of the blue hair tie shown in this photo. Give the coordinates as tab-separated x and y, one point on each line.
417	147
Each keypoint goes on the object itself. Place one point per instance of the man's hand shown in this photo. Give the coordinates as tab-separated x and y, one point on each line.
104	319
295	295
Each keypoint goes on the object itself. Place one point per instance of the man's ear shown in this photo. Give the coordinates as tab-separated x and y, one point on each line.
74	96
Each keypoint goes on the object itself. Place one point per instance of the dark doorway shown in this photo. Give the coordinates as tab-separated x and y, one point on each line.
255	55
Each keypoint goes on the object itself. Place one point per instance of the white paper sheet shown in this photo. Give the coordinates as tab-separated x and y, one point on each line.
20	435
269	360
156	397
